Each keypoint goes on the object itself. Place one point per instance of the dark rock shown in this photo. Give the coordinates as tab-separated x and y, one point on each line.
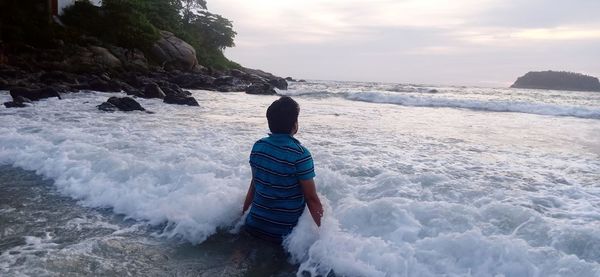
193	81
260	88
279	83
133	80
126	104
132	59
107	107
174	53
180	99
57	76
9	73
301	81
4	84
290	79
224	81
104	86
18	102
14	104
433	91
237	73
21	99
34	94
173	89
91	58
130	90
557	81
153	91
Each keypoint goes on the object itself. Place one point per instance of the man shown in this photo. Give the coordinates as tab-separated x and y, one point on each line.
282	177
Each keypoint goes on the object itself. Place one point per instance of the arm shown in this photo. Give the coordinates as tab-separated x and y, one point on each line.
312	200
249	197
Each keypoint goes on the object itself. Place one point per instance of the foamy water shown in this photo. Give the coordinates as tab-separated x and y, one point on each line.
462	182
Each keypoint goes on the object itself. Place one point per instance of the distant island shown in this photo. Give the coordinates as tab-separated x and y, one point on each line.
557	80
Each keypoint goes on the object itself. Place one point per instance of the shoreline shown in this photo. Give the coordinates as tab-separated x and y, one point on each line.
31	74
48	239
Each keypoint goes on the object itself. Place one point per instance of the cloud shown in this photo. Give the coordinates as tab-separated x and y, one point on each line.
459	41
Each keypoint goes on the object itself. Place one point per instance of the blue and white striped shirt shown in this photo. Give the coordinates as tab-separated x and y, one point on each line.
278	163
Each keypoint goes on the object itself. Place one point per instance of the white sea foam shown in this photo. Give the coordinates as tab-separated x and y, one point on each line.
495	106
408	191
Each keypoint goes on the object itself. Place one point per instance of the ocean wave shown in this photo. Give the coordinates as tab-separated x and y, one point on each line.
185	169
483	105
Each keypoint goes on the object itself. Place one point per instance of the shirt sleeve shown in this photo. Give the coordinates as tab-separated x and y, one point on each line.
305	168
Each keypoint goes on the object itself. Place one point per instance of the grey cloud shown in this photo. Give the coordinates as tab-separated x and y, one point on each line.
539	13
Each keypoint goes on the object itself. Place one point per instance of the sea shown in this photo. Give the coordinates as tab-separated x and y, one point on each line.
416	180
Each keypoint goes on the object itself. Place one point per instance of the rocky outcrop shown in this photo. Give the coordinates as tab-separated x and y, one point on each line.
557	80
173	53
18	102
193	81
91	58
131	59
153	91
91	65
255	75
261	88
34	94
126	104
98	84
180	99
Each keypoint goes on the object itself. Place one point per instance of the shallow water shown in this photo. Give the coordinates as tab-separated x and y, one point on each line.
46	234
462	182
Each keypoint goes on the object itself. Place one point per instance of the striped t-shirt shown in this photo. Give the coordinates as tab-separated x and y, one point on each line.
278	162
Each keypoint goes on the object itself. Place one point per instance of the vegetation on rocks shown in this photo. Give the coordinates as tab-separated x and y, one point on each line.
130	24
144	48
557	80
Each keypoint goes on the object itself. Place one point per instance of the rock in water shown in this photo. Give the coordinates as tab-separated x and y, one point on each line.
275	81
34	94
261	88
173	52
153	91
558	81
279	83
180	99
125	104
18	102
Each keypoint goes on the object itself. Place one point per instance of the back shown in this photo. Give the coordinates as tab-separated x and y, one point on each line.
278	162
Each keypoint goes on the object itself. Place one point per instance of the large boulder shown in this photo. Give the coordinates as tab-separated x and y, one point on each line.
18	102
34	94
104	57
193	81
180	99
53	77
92	58
98	84
224	81
152	90
174	53
277	82
125	104
261	88
132	59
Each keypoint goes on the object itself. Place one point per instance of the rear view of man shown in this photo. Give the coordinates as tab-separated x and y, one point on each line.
282	177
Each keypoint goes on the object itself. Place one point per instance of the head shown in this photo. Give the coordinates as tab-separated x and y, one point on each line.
283	116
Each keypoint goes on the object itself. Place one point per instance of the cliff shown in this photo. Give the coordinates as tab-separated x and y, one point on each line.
557	80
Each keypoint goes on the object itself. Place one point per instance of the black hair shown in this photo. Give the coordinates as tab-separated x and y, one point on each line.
283	115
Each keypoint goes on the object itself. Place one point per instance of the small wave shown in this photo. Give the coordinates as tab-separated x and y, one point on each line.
493	106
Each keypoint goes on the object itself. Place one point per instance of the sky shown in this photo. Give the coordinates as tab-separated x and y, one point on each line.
454	42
